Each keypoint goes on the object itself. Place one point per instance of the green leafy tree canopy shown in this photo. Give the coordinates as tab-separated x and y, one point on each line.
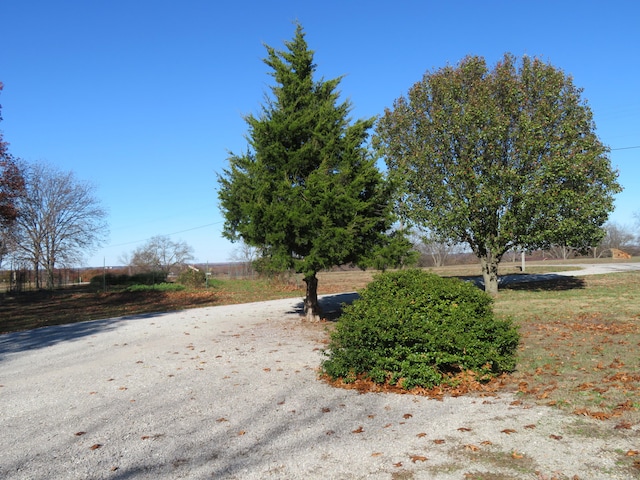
307	192
499	158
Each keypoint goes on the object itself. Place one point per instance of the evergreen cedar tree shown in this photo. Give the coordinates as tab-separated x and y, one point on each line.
11	184
499	159
307	192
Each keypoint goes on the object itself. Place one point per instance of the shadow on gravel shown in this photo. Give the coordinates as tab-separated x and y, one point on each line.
331	305
46	336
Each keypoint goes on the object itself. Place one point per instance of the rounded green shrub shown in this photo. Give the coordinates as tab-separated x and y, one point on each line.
158	287
192	278
415	329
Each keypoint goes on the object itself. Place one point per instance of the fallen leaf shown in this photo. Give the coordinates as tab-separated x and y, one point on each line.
329	432
145	437
222	419
358	430
397	465
407	415
486	442
266	369
113	469
387	425
418	458
516	455
376	454
556	437
623	425
79	434
530	427
464	429
473	448
95	446
371	416
439	441
241	432
509	431
421	434
633	453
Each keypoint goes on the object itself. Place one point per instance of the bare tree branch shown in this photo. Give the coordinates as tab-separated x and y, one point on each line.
60	220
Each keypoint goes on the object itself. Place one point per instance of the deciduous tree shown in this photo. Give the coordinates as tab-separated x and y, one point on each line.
161	254
60	220
500	157
11	189
307	192
438	249
616	236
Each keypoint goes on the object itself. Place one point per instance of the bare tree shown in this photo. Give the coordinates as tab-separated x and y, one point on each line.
617	236
245	255
60	220
560	252
437	248
161	254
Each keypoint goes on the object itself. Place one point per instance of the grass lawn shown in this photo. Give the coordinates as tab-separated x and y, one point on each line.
580	346
580	335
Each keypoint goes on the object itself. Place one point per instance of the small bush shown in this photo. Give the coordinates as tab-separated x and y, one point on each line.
191	278
148	278
109	279
160	287
411	328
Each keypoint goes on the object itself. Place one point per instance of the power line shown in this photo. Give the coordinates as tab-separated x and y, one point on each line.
625	148
164	235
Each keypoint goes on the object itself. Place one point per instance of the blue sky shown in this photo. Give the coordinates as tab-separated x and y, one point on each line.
146	98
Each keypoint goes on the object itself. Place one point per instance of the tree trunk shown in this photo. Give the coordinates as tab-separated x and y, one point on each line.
490	274
311	306
36	273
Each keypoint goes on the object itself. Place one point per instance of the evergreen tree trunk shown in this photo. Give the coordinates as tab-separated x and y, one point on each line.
311	306
490	273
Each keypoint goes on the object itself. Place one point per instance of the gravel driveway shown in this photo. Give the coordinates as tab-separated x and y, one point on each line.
232	392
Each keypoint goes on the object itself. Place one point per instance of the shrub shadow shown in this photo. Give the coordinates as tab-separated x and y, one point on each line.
555	283
330	305
533	282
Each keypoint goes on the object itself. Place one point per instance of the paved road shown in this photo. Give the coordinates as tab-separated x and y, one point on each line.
585	269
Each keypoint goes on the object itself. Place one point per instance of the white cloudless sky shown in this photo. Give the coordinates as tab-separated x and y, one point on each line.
145	99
